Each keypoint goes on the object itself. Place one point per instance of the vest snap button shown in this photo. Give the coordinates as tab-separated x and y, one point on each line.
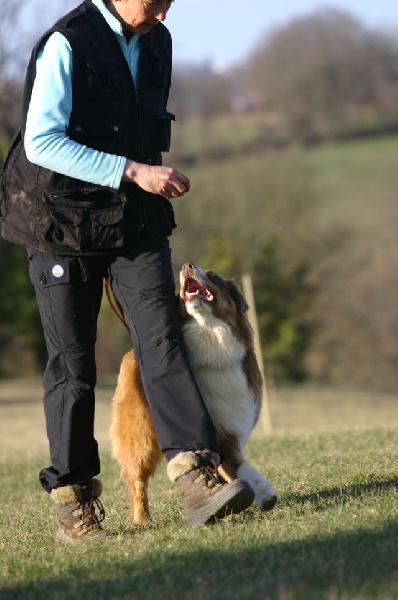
115	128
79	128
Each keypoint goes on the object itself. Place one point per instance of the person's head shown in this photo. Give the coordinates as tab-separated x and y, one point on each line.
139	16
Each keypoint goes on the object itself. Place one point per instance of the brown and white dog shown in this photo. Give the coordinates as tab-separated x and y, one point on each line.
219	343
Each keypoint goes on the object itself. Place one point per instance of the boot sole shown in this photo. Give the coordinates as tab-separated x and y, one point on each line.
62	538
231	500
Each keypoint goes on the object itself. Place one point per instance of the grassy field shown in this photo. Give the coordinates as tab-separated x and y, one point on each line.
333	458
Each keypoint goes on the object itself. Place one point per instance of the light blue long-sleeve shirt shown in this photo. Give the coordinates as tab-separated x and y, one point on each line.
46	141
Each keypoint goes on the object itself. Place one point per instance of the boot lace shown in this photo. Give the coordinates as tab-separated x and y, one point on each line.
211	475
89	518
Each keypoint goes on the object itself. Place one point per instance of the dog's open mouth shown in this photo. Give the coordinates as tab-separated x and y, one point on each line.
193	290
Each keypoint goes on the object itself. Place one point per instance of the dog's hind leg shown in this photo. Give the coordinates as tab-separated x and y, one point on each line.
139	504
133	438
139	510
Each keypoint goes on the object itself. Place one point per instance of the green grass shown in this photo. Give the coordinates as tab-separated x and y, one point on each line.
201	138
356	183
349	185
332	536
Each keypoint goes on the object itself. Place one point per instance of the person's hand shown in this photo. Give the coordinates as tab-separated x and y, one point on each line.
161	180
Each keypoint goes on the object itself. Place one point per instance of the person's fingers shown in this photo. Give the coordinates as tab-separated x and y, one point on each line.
182	181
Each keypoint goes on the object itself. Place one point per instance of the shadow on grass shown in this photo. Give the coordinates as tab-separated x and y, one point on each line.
357	564
344	494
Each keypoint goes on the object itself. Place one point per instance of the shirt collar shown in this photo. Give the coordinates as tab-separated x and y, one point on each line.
112	21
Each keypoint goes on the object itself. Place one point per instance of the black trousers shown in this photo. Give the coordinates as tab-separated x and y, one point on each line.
69	292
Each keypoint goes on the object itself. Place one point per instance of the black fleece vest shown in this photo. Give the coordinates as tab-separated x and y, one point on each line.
53	213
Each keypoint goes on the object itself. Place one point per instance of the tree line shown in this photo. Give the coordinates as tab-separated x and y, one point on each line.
322	75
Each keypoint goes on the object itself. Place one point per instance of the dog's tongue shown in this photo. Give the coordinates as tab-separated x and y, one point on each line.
193	289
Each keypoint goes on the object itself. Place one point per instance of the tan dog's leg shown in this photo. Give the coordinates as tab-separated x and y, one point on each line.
133	437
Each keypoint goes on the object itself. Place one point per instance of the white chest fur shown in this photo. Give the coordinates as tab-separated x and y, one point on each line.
215	356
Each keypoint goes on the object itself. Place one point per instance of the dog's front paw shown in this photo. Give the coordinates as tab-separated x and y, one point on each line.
268	503
265	495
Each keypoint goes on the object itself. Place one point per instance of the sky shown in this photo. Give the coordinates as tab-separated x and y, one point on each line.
224	32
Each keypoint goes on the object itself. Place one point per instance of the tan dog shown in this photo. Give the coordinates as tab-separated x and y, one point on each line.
219	343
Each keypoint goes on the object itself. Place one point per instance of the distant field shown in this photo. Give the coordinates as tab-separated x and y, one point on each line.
356	183
293	411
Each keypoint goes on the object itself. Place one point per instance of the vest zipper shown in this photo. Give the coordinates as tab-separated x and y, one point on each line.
137	99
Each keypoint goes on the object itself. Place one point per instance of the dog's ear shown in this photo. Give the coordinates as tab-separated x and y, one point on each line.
238	297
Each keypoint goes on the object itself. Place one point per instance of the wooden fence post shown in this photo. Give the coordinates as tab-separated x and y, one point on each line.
265	416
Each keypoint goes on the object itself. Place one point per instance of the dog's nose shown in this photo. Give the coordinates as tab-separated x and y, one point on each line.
187	268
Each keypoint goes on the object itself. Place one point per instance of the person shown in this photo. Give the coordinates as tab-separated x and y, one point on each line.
85	191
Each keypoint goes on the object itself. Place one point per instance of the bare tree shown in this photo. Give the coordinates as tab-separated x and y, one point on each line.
21	23
10	89
326	69
201	90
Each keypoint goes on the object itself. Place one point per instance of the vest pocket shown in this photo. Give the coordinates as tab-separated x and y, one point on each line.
103	77
83	221
106	136
160	68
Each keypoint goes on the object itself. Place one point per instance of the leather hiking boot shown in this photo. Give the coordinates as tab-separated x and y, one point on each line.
76	506
206	496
